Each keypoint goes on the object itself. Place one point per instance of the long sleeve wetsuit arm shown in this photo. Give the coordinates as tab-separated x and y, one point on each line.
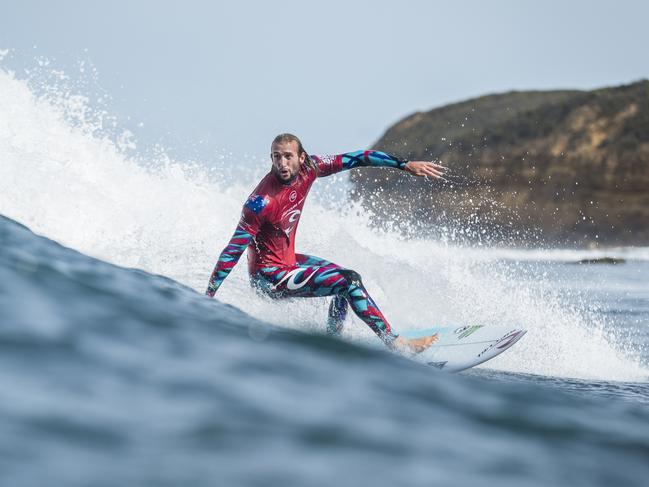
247	229
328	165
228	259
371	158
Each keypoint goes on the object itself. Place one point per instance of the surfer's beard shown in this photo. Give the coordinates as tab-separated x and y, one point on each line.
279	177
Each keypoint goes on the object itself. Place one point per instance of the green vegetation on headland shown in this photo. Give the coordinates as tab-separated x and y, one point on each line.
555	167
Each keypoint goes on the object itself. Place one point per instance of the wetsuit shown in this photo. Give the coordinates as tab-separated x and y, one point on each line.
267	227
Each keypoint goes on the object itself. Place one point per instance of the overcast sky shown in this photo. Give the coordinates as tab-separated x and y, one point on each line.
337	73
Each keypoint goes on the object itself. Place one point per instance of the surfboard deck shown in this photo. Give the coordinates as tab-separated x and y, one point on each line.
460	348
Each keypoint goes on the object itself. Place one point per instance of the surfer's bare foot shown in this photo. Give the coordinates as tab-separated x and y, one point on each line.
415	345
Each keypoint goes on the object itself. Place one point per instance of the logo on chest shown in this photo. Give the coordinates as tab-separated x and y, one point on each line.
293	196
289	220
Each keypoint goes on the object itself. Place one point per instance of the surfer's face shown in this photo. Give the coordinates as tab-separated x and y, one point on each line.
286	160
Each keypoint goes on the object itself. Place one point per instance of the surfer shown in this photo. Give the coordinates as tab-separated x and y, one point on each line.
268	226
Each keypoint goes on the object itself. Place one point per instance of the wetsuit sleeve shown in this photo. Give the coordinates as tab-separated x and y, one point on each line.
328	165
371	158
246	230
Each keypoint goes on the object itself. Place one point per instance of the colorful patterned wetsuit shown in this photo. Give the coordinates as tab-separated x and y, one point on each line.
267	227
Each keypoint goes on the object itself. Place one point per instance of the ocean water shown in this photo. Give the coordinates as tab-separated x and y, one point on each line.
116	370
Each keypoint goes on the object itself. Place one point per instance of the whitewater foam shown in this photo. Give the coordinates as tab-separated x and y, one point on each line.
72	183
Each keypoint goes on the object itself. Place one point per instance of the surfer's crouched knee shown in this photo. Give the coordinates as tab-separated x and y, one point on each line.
263	286
352	277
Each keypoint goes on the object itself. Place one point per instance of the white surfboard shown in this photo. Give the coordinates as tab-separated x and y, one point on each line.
462	348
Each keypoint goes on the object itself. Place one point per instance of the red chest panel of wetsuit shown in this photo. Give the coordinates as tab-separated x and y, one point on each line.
272	213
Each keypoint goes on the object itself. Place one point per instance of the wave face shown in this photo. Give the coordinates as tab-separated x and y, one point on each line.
109	352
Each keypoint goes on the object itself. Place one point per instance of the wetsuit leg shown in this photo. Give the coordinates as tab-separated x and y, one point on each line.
337	314
338	306
320	281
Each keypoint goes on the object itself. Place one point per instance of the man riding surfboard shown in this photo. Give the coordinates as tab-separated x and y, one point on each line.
268	226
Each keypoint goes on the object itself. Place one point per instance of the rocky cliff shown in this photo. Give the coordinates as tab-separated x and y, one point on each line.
556	167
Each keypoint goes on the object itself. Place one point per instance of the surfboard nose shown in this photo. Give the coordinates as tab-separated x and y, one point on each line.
509	339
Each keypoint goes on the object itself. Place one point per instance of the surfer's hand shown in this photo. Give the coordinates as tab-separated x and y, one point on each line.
425	169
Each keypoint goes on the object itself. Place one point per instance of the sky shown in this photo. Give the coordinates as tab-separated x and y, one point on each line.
207	77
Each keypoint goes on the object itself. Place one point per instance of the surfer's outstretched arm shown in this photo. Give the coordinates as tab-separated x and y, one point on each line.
372	158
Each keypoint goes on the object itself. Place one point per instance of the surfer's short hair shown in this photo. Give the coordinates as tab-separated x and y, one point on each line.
286	137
